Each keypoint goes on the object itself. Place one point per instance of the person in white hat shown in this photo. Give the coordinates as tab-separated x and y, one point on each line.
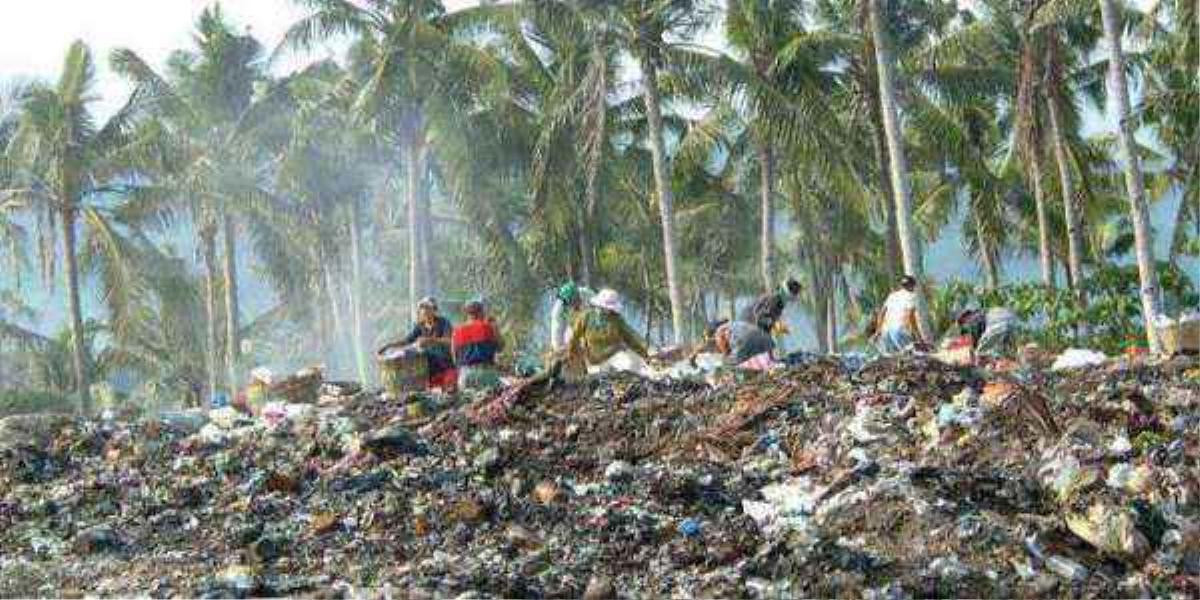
600	334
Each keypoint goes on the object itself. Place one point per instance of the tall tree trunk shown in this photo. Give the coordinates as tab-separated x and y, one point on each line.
1066	182
1045	256
340	333
648	299
585	250
232	325
425	218
820	316
766	204
891	241
831	322
987	253
870	85
75	310
597	124
412	165
355	291
1030	135
208	248
899	165
666	202
1143	242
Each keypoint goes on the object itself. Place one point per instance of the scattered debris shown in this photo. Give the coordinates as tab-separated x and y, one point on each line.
898	477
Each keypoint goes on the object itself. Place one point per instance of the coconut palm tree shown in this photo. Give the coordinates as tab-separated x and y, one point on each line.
212	165
1168	104
1119	107
644	27
899	165
405	55
782	76
61	161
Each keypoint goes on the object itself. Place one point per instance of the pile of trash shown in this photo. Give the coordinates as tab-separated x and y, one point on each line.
900	477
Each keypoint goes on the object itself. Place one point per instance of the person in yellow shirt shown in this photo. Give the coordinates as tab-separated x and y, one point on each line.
600	333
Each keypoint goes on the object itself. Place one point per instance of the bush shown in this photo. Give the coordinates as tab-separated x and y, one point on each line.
1112	319
13	402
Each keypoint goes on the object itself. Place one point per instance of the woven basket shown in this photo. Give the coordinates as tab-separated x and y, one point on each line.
405	372
1189	336
302	388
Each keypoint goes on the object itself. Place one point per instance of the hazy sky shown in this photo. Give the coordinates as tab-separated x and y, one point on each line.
35	34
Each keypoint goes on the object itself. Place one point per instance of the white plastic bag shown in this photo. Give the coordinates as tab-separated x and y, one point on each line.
1074	358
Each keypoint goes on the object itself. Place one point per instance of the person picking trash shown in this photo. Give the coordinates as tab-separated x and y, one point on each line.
431	335
475	345
896	324
767	310
569	301
601	340
992	333
736	341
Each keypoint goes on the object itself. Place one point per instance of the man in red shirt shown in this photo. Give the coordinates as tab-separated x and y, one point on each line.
475	345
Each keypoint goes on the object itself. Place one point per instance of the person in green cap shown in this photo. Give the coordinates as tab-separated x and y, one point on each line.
569	301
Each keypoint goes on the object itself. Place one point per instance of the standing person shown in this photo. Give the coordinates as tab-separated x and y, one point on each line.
569	301
896	325
600	333
767	310
431	335
474	346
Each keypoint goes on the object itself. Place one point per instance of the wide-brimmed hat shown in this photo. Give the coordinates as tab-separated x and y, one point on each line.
608	300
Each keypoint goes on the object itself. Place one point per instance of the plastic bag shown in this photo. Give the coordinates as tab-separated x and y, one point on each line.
1075	358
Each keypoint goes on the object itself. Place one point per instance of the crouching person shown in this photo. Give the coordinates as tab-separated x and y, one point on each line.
736	341
475	345
601	340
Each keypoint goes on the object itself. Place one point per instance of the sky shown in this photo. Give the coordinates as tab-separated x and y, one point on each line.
36	33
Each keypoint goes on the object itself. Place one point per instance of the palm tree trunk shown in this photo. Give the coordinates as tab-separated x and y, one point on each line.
1143	243
889	203
648	300
425	218
1030	134
412	172
899	165
208	248
591	195
870	85
766	159
232	326
355	291
820	303
75	309
1046	258
987	253
340	333
666	202
831	327
1066	183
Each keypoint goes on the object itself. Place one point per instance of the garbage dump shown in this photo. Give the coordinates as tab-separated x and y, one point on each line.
891	478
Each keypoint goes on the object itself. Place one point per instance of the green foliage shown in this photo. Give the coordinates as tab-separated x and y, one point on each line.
14	402
1112	319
